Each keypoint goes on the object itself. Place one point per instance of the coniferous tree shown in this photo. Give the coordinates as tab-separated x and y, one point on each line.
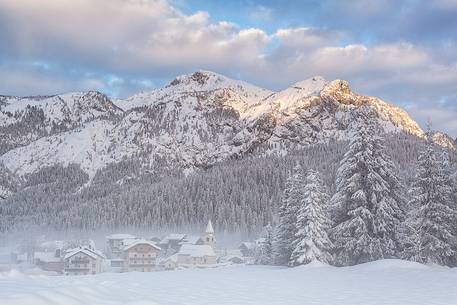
368	202
311	240
285	234
264	252
433	216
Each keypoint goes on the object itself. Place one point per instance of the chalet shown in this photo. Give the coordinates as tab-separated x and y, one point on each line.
49	261
169	263
172	242
140	255
116	242
194	255
82	261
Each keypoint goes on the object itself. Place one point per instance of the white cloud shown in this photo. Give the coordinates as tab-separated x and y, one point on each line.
261	13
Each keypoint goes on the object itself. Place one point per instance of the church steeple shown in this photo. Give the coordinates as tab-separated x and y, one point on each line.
209	228
208	238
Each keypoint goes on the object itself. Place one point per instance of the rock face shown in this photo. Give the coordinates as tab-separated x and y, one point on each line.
195	121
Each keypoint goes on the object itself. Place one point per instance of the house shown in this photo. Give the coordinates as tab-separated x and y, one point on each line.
49	261
170	262
116	264
116	242
82	261
194	255
141	255
172	242
247	249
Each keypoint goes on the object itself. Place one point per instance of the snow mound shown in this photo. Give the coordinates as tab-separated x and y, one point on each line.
391	264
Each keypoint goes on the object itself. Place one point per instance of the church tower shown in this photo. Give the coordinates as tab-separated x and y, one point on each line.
208	238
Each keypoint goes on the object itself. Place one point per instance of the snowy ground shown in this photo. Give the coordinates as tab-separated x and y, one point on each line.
384	282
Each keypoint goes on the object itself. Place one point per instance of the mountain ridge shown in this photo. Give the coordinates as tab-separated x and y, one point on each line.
197	120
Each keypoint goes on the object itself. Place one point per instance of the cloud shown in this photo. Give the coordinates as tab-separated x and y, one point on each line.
126	35
261	13
124	46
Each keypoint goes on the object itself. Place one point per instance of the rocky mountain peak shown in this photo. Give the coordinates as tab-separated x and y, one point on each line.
341	91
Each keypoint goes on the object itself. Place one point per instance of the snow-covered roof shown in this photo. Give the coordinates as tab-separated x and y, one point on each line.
173	258
173	236
141	242
87	251
209	228
120	236
191	239
196	250
47	257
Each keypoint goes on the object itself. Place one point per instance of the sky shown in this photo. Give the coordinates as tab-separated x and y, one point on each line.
404	52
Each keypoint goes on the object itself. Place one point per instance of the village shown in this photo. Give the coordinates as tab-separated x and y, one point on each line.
129	253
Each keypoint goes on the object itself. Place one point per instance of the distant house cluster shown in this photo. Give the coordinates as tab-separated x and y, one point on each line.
129	253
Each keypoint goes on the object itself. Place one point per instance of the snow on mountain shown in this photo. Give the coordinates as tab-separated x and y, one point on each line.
235	93
444	140
195	121
298	92
26	119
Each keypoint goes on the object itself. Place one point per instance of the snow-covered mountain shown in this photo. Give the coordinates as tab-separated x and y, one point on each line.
195	121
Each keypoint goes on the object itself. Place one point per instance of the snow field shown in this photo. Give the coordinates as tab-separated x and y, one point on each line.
385	282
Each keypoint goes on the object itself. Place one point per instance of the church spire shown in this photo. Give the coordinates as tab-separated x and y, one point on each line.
209	228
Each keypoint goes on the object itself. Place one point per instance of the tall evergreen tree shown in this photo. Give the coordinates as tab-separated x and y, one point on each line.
433	216
311	240
264	252
286	230
368	201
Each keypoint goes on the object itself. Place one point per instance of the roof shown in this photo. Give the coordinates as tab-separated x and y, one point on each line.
191	239
120	236
196	250
141	242
209	228
173	236
46	257
173	258
87	251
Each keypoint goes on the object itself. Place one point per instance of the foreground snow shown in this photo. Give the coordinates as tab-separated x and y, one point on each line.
382	282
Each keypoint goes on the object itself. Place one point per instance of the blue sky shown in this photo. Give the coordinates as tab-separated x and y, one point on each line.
401	51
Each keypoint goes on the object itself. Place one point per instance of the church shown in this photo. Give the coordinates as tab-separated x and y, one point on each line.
196	252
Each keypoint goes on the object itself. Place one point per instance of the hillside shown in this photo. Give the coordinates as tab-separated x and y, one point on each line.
78	154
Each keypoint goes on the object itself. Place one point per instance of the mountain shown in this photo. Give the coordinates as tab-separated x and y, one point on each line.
83	160
195	121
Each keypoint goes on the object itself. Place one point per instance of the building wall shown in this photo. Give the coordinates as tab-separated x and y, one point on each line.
196	260
82	264
141	257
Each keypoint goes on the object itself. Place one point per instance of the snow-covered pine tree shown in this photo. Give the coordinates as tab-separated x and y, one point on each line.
264	251
288	210
311	240
433	216
368	201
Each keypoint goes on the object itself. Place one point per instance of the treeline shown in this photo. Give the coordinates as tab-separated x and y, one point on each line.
239	195
372	215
